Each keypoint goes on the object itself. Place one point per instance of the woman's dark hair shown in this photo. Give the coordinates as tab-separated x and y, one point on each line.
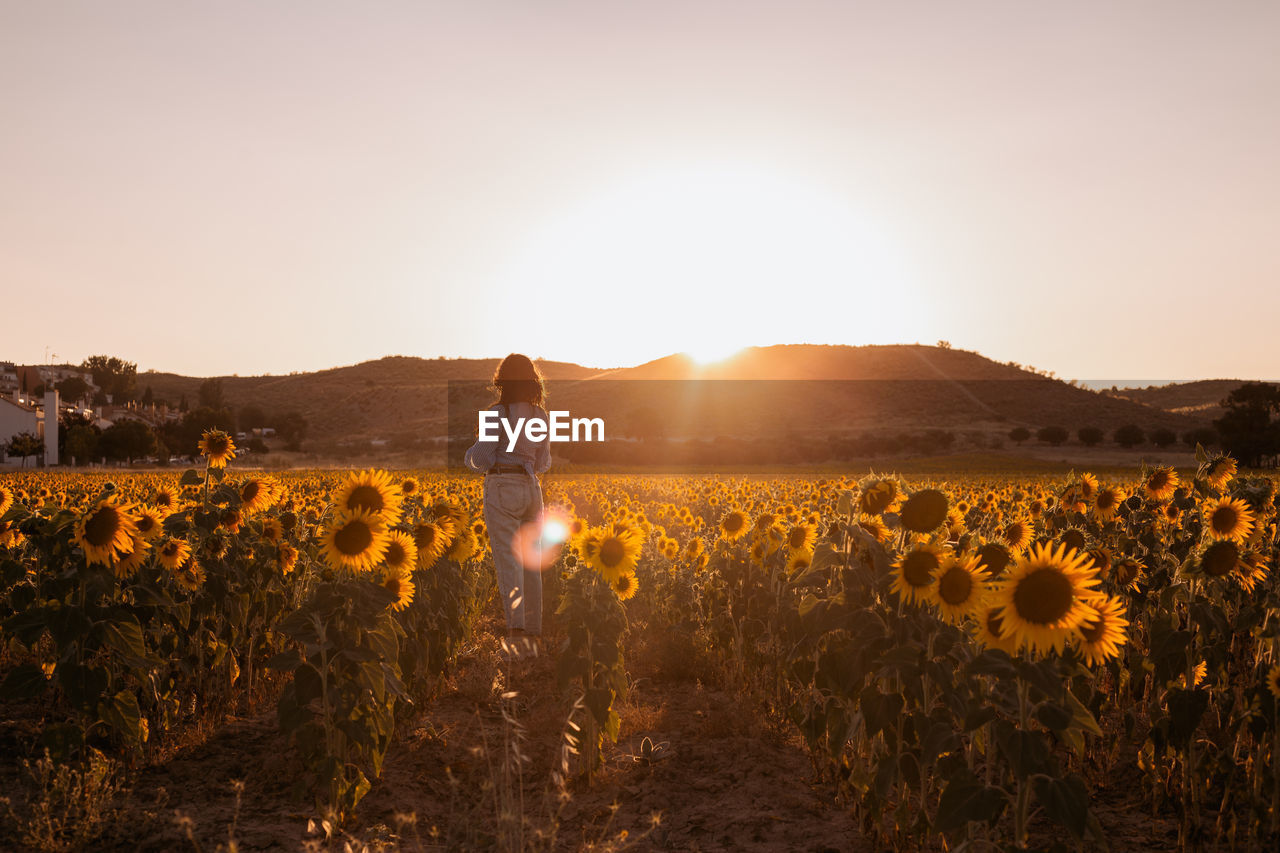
518	381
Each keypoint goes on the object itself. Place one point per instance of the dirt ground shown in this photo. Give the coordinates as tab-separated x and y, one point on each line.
724	777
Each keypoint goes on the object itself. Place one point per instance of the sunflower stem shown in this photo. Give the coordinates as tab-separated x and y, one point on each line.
1023	808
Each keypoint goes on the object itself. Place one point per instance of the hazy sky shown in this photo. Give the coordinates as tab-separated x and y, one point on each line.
259	187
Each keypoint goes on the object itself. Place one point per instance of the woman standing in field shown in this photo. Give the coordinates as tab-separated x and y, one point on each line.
513	497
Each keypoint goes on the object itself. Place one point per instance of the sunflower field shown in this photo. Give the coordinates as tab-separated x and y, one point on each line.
964	660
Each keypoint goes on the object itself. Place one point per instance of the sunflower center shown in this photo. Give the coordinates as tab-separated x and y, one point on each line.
250	491
395	554
1224	519
1220	559
365	497
955	585
102	527
612	552
424	536
994	558
1044	596
1093	631
797	537
146	523
354	537
918	568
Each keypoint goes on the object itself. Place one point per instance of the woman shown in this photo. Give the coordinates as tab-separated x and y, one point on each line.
513	498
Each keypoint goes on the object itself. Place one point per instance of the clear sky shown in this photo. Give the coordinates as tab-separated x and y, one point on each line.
259	187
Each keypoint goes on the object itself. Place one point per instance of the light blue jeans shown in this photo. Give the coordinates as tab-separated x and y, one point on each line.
510	502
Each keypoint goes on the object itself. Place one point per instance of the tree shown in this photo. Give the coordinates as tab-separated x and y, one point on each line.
183	436
1248	430
128	440
211	396
1019	434
1163	437
148	398
25	444
252	417
81	443
72	388
113	376
1054	435
292	427
1090	436
1129	435
1204	436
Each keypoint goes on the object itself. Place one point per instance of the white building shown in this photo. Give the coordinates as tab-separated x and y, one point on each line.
24	414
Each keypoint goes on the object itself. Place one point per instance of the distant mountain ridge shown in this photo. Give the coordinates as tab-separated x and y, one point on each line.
831	389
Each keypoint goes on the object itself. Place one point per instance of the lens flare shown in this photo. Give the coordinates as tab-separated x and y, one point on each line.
538	544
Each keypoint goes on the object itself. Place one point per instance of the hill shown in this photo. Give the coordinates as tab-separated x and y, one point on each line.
1201	399
761	391
374	399
807	389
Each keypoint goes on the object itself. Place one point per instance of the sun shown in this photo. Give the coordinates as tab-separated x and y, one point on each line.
710	351
707	258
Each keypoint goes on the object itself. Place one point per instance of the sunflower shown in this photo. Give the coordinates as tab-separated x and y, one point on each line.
1251	570
401	553
798	561
1073	539
173	553
1126	572
190	575
733	525
625	585
913	574
286	559
880	496
616	552
961	588
149	521
256	494
1227	518
1045	597
408	486
1273	681
104	530
396	579
217	447
372	492
924	512
1017	535
231	520
989	630
1219	559
354	541
1102	634
800	537
875	527
272	529
165	499
1219	471
6	500
1107	502
1088	485
431	542
1161	484
126	563
464	546
995	557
